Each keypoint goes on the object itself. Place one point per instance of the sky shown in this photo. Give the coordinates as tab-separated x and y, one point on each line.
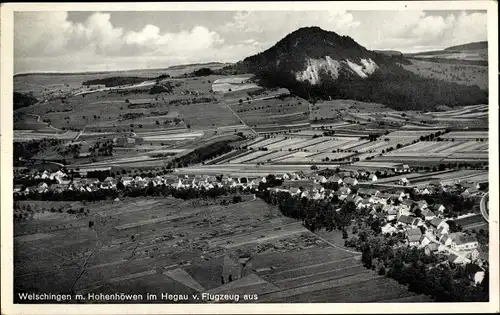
98	41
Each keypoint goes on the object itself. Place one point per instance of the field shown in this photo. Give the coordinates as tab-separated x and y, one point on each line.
458	73
166	245
445	151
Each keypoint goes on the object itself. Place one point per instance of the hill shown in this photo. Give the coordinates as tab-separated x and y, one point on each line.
469	46
389	52
317	64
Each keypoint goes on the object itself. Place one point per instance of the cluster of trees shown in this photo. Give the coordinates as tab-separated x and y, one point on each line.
194	100
115	81
23	151
165	87
204	153
455	204
23	100
315	214
421	272
202	72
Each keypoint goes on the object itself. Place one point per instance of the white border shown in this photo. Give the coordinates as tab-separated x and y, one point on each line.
6	88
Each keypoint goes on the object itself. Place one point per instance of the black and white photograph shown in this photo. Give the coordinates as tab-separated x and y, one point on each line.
198	157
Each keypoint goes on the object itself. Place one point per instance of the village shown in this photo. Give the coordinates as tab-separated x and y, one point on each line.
402	210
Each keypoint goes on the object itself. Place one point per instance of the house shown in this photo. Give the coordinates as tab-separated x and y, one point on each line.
350	198
368	192
294	191
18	188
425	240
373	177
321	179
350	181
425	191
365	203
58	188
431	248
335	179
457	260
428	214
464	242
391	214
318	188
422	204
403	181
436	223
437	208
389	229
345	174
404	168
435	182
345	191
413	236
42	187
408	220
127	180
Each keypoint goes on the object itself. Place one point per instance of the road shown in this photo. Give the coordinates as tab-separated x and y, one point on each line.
38	119
484	207
242	121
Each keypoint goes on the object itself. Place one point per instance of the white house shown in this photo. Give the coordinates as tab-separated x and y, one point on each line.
373	177
321	179
403	181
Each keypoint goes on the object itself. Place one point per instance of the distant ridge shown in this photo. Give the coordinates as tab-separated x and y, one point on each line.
21	74
470	46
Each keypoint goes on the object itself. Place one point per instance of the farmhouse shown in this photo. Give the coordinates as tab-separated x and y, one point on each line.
373	177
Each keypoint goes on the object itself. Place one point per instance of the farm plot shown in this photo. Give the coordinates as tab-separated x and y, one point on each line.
308	143
248	157
376	146
327	157
266	142
174	137
286	144
271	157
466	135
297	157
233	83
327	145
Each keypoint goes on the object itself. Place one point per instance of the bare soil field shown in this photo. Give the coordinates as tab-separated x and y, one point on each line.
150	245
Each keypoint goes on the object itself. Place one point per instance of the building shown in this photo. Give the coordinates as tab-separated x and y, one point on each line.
368	192
464	242
403	181
372	177
408	220
335	179
428	215
350	181
413	236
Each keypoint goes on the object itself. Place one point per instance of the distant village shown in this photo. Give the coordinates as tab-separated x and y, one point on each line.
424	226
